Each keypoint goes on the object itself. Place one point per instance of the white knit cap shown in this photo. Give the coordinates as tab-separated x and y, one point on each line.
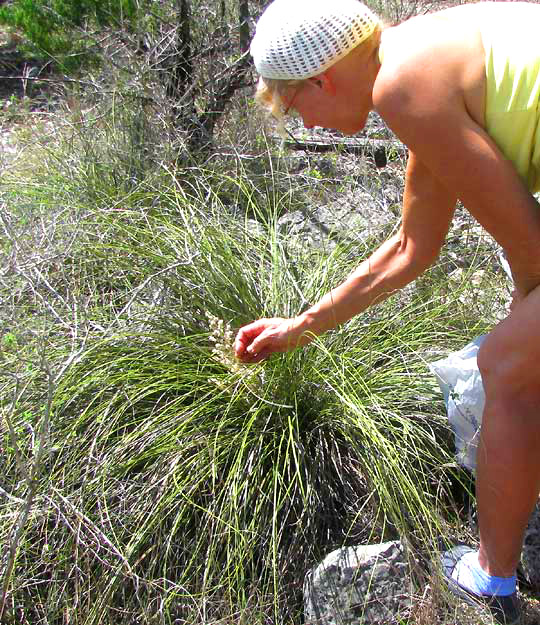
298	39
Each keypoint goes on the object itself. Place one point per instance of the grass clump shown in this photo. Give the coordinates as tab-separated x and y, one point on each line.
182	475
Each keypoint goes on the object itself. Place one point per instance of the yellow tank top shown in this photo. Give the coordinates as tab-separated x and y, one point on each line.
511	41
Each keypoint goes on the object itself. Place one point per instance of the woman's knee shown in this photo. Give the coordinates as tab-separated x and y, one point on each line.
499	362
506	370
508	358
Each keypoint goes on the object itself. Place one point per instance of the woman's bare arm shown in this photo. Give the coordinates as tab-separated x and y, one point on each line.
427	111
428	208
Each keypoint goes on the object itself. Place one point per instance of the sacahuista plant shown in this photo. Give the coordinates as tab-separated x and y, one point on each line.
185	482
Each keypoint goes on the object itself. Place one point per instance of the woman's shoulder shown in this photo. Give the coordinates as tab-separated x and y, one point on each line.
422	34
476	13
460	22
439	58
430	58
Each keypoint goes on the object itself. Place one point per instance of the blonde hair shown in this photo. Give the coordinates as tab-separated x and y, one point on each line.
270	91
269	94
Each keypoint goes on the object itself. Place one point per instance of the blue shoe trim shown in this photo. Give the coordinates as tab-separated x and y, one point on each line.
506	610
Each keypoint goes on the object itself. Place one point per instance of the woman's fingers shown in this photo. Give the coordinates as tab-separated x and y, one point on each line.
251	358
248	344
259	339
270	340
246	335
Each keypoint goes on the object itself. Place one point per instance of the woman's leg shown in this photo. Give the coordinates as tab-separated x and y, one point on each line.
508	462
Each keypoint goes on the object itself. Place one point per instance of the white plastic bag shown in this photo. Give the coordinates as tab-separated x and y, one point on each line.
461	384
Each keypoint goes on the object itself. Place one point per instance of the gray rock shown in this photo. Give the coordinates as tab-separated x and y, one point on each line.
362	585
530	555
351	219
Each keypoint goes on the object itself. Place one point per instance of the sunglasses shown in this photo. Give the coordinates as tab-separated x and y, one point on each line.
290	106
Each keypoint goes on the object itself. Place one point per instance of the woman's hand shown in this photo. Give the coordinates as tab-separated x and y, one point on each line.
259	339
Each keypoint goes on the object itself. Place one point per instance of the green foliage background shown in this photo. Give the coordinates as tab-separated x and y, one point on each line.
56	28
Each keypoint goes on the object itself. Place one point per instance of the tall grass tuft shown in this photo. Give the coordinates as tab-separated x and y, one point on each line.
186	483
